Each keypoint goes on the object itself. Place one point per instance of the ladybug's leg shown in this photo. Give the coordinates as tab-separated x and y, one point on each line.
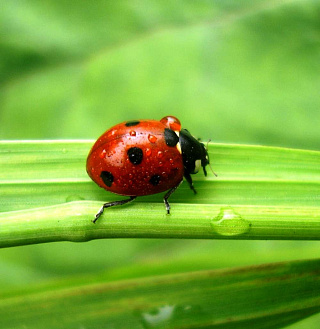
189	180
167	195
111	204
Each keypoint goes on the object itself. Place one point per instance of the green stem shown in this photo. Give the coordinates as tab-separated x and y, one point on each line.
73	222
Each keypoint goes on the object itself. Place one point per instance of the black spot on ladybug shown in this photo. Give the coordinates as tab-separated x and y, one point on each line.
170	137
155	179
132	123
107	177
135	155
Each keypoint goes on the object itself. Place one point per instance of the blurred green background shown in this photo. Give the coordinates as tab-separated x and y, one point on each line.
233	71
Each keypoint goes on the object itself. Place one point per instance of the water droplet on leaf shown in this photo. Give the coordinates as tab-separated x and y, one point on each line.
230	223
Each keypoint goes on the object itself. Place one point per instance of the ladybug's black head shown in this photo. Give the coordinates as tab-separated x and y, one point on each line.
194	153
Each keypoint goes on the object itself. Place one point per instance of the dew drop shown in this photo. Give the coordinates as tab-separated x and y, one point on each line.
148	151
132	133
102	155
169	316
158	317
171	122
74	197
230	223
152	138
160	154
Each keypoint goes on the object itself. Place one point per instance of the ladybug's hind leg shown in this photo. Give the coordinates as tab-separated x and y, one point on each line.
167	195
111	204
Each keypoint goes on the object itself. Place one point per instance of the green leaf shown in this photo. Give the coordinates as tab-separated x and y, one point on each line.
261	193
266	296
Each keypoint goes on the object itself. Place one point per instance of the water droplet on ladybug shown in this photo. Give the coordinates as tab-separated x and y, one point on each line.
148	151
132	133
171	122
152	138
102	155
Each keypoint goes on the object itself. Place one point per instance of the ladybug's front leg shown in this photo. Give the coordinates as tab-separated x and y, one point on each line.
167	195
111	204
189	180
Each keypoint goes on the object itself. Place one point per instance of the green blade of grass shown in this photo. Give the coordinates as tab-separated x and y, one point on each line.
266	296
260	193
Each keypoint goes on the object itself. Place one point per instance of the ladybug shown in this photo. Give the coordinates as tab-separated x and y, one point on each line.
143	157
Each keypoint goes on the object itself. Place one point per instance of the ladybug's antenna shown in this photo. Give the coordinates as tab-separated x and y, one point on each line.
208	159
212	170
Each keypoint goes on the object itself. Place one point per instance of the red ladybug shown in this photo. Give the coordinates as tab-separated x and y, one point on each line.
143	157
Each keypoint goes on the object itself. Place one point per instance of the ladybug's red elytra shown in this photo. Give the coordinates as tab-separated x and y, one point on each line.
143	157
